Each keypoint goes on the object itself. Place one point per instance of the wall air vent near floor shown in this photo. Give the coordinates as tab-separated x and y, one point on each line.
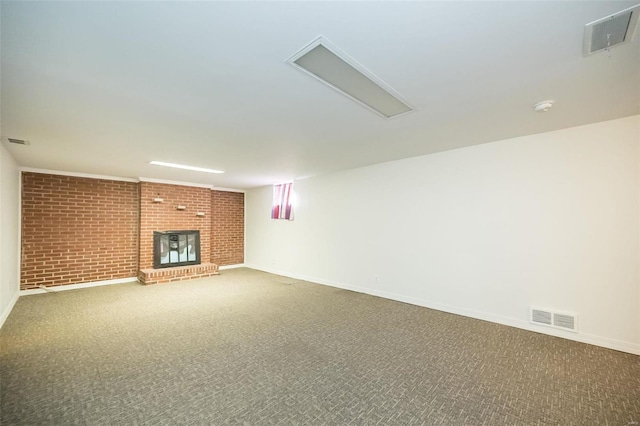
561	320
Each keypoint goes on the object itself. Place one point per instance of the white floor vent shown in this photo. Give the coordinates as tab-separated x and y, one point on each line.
562	320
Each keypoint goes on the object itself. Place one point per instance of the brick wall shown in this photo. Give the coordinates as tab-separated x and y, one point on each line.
227	225
77	230
165	216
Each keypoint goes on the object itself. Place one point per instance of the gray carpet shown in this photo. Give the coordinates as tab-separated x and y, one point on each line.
252	348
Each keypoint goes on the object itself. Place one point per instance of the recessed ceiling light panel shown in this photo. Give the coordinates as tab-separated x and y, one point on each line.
181	166
610	31
333	67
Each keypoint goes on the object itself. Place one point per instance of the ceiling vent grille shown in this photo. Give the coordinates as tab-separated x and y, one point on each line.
561	320
18	141
325	62
610	31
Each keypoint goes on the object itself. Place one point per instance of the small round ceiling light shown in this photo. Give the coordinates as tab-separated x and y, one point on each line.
543	106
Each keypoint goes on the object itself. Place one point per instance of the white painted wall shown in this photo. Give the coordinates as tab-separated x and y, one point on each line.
9	233
550	220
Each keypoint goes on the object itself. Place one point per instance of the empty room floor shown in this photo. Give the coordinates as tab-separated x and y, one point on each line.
252	348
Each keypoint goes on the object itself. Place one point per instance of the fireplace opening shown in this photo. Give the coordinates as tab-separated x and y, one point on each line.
176	248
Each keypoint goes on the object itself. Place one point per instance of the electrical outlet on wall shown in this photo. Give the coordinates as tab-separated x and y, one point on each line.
376	278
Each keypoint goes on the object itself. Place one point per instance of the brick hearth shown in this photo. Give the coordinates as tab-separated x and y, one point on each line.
167	275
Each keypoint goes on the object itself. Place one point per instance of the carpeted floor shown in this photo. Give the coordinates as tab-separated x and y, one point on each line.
252	348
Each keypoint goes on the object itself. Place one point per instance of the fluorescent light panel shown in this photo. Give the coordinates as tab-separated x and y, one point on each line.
320	61
181	166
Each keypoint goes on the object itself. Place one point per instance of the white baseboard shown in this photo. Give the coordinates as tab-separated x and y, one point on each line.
7	311
77	286
238	265
604	342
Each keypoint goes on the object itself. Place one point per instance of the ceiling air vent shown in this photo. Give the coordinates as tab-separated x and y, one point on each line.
327	63
610	31
561	320
18	141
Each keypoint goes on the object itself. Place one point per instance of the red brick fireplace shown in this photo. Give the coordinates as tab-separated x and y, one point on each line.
78	230
173	207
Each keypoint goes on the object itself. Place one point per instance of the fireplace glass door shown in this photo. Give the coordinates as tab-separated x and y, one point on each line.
176	248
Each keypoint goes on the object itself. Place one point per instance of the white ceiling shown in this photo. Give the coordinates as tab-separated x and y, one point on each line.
106	87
